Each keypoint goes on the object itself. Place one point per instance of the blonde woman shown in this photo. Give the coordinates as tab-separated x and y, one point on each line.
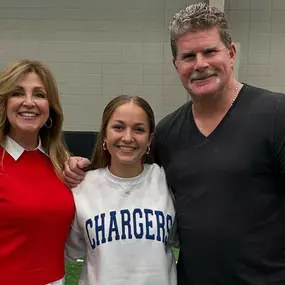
36	208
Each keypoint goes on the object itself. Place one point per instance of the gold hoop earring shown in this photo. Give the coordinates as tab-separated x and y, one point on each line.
104	146
147	150
50	125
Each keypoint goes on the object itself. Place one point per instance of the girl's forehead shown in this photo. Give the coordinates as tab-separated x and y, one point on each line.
129	110
129	114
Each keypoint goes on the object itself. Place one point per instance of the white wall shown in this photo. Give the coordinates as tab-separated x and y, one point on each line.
259	25
97	49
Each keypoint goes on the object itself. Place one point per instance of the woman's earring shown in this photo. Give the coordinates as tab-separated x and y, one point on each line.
147	150
50	124
104	146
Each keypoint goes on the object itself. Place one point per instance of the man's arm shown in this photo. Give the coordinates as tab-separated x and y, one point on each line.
279	137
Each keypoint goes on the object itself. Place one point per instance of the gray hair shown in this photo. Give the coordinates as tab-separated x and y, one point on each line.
195	17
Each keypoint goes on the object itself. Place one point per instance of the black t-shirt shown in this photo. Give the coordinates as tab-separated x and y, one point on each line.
229	191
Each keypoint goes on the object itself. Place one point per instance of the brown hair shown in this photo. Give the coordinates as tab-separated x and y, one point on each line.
197	17
102	158
51	138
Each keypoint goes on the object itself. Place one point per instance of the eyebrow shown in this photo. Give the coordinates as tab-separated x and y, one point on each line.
193	52
211	47
136	124
37	88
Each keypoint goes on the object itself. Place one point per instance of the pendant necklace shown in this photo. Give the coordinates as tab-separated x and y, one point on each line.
129	189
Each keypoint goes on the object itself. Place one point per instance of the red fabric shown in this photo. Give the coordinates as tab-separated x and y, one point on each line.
36	211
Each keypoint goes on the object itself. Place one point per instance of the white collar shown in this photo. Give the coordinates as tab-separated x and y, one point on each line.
15	150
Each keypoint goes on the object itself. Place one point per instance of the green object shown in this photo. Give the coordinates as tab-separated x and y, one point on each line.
72	273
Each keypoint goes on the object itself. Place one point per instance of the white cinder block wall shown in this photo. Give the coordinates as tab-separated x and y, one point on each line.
259	25
97	49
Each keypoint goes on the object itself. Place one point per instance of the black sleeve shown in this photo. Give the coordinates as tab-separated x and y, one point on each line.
279	136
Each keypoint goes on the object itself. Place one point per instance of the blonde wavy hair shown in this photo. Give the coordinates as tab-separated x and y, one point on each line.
51	138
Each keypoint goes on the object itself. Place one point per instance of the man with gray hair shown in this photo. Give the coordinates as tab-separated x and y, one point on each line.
224	158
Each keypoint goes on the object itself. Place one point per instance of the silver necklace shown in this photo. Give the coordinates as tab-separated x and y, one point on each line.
233	99
235	95
126	190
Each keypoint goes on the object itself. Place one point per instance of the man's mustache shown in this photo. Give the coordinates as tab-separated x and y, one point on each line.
202	75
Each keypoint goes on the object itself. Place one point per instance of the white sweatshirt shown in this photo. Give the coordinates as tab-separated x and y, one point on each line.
122	236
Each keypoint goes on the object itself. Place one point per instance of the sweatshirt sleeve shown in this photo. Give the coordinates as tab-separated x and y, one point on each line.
75	247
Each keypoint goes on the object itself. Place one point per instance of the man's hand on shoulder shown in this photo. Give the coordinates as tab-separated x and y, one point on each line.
73	173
